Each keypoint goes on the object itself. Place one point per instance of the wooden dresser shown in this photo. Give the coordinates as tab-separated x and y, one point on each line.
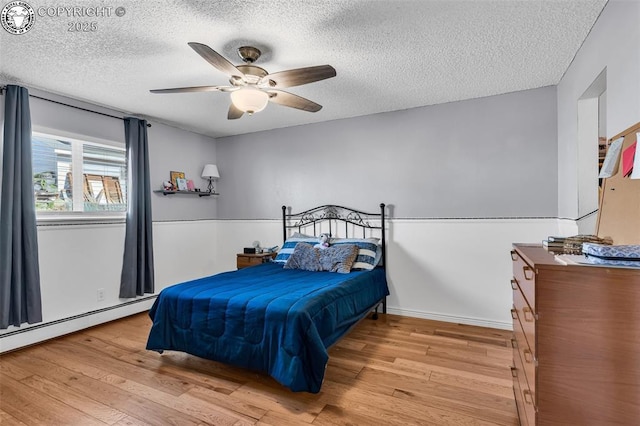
576	346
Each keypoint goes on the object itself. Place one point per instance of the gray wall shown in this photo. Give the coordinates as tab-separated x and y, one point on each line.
487	157
169	149
172	149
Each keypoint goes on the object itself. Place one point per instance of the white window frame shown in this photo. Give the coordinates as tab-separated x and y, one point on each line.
79	217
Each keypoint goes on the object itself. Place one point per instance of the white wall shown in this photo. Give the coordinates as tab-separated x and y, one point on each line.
448	270
457	270
587	162
614	44
77	260
185	250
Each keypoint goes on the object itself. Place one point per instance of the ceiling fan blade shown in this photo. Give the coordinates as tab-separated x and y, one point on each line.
190	89
215	59
234	113
293	101
300	76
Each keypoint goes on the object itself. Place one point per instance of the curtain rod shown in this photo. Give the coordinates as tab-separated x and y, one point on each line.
4	88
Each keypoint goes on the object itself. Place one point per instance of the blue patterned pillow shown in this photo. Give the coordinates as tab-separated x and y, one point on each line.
619	252
369	251
620	255
290	244
332	259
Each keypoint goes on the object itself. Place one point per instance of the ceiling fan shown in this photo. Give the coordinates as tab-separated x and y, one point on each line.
253	87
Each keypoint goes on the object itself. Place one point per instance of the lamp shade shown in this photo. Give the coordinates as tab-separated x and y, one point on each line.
249	99
210	171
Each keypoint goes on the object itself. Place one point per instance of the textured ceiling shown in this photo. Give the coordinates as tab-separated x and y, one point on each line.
389	55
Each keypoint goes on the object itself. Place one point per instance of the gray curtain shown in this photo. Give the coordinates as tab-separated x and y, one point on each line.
20	300
137	267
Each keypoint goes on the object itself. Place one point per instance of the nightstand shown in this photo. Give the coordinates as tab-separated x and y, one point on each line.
244	260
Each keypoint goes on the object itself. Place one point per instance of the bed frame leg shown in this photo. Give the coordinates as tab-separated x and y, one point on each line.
384	309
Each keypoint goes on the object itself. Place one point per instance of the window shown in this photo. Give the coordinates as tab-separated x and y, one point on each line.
99	185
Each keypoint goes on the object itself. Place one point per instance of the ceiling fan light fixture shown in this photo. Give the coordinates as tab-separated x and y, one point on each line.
249	99
252	87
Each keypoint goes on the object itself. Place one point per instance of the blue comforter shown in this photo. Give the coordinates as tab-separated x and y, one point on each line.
266	318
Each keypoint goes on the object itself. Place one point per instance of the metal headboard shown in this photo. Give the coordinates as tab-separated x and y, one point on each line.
333	215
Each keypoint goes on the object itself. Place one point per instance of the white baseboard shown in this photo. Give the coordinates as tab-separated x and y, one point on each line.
37	333
451	318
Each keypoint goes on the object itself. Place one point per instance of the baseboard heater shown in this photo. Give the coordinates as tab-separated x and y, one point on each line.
75	317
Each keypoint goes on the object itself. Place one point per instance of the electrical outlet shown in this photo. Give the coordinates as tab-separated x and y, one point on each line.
100	294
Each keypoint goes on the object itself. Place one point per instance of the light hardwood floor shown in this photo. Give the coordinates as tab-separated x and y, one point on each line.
393	371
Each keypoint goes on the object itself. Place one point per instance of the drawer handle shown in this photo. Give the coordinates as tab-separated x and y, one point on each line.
528	356
514	256
524	271
528	396
514	372
514	314
514	343
528	314
514	284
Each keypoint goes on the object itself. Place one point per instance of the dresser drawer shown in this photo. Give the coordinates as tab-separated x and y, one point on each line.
526	318
517	393
526	354
525	276
526	398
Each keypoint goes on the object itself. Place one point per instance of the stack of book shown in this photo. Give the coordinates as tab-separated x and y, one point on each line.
554	244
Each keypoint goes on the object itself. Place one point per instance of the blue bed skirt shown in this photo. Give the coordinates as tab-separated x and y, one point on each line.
266	318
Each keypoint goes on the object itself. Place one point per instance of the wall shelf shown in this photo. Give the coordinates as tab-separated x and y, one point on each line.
192	193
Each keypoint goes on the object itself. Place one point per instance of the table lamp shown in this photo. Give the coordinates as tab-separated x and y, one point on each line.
210	172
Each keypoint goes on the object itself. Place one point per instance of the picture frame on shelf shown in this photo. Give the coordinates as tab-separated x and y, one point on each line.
190	185
181	183
174	176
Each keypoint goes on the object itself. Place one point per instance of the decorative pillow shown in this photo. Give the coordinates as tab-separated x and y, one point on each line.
305	257
290	244
332	259
339	258
369	251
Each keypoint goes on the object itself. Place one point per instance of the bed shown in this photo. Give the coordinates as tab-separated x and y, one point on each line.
275	317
